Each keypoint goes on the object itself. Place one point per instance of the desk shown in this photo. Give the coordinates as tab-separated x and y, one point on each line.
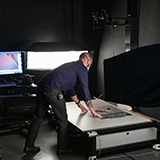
5	99
107	135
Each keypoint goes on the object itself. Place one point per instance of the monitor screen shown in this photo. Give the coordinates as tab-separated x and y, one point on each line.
11	62
50	60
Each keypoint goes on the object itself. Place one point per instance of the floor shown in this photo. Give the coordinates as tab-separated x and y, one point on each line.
12	144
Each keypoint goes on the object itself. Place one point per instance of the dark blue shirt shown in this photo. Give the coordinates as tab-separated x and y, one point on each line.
66	77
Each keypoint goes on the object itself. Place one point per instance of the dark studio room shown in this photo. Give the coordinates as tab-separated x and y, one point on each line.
79	80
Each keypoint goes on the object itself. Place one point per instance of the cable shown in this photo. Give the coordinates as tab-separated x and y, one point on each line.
99	145
129	156
100	96
112	36
16	80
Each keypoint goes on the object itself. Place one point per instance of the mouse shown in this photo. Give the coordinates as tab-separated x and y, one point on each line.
156	147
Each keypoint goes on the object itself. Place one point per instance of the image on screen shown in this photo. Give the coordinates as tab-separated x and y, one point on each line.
11	62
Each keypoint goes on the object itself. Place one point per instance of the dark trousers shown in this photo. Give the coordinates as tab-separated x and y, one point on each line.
44	98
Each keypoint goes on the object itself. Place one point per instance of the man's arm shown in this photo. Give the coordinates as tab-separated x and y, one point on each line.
90	106
76	100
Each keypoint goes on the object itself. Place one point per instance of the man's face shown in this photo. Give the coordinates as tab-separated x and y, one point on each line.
89	63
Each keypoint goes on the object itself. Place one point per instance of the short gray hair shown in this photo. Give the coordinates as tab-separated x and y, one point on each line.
85	55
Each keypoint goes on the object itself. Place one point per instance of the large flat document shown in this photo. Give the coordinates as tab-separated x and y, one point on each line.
86	122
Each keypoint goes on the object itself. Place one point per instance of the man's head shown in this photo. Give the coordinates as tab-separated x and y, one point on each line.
86	59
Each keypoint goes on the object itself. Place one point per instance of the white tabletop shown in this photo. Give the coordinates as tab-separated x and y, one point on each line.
85	122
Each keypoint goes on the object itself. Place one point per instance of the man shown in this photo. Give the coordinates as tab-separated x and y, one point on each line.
50	91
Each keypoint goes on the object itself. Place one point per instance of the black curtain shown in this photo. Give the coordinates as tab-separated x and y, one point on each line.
133	77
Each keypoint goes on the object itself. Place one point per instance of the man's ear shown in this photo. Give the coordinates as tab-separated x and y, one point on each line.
85	62
88	61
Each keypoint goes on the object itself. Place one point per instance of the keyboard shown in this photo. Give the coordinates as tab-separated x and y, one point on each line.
7	84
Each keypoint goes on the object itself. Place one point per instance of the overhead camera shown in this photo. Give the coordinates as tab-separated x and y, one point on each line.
99	18
102	19
102	16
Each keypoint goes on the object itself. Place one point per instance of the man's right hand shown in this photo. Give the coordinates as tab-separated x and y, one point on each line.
83	109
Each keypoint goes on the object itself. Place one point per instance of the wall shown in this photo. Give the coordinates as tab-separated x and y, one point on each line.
92	38
149	33
149	25
23	23
112	40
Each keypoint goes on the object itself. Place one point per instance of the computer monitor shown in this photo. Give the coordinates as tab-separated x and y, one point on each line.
11	62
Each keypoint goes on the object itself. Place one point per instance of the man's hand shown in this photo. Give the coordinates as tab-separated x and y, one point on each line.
83	109
94	113
76	100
